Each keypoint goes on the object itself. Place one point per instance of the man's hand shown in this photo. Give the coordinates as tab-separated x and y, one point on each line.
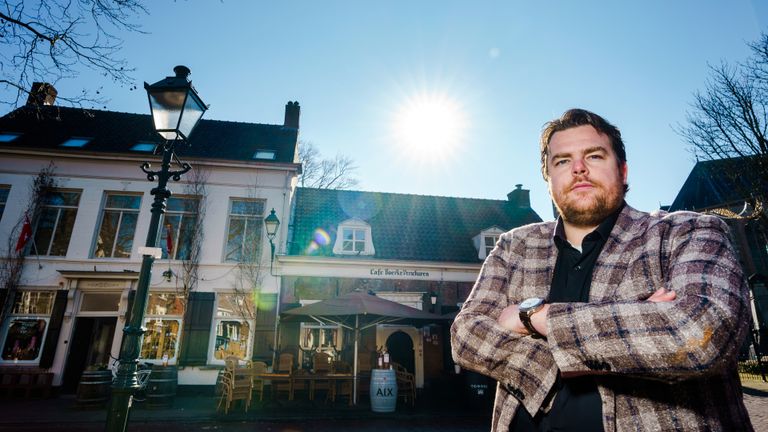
510	320
662	295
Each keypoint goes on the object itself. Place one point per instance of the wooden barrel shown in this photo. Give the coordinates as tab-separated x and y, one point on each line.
94	388
383	390
161	388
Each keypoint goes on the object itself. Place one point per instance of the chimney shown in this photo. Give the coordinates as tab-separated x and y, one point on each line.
42	94
519	197
292	110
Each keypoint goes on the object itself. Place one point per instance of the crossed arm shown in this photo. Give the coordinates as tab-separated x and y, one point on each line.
692	326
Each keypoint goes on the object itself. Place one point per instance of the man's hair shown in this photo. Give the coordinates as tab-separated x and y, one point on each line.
575	117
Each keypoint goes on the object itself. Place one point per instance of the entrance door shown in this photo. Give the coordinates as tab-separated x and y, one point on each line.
90	345
400	349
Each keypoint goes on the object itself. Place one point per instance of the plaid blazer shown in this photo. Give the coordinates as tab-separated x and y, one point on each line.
658	366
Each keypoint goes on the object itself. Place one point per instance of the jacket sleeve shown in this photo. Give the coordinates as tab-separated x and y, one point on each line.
523	366
697	333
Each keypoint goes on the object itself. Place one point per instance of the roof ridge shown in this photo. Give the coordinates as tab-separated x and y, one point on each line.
400	193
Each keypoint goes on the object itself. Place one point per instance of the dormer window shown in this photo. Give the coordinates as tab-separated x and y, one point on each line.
486	241
353	238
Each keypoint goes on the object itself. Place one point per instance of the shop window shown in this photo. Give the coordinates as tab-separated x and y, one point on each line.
118	226
179	227
54	226
353	238
317	337
233	323
4	191
163	323
27	326
244	227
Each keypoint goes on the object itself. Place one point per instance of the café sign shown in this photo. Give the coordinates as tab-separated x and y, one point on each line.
384	272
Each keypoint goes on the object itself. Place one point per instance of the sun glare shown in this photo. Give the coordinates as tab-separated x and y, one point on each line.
430	125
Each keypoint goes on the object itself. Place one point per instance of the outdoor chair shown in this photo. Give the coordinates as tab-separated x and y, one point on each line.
322	363
406	384
341	388
235	387
257	384
284	366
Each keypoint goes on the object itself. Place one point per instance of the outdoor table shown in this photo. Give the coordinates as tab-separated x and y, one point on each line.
272	376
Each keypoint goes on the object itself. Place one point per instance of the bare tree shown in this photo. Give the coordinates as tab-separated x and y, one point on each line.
729	120
50	40
197	187
336	173
12	264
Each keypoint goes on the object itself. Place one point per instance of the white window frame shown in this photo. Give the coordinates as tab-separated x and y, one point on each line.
33	247
181	214
122	212
14	315
179	317
258	219
322	344
236	316
4	200
355	225
480	241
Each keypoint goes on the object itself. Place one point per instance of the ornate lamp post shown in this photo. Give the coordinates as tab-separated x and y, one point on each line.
271	223
176	109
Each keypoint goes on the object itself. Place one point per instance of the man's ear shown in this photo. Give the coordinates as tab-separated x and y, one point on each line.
623	171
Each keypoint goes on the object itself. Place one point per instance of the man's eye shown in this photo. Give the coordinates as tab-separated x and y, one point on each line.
595	156
561	162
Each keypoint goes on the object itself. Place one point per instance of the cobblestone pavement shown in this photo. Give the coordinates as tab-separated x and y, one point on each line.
756	401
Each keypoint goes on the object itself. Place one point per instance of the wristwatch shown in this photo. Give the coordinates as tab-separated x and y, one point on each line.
527	308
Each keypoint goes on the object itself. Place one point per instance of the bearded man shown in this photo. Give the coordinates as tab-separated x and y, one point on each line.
608	319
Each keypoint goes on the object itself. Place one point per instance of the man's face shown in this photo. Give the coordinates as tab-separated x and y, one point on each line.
585	178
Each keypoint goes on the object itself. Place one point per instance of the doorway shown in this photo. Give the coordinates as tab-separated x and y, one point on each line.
400	349
90	345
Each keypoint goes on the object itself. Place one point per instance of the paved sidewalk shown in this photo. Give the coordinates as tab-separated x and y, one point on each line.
61	413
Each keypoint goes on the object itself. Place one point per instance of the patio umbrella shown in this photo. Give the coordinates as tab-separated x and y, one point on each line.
358	311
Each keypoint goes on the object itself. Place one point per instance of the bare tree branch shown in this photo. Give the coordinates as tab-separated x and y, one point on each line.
728	119
336	173
52	40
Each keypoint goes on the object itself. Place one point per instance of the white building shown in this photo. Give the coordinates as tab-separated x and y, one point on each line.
81	262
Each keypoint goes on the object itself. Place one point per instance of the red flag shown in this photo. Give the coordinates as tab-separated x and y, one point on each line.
26	233
169	239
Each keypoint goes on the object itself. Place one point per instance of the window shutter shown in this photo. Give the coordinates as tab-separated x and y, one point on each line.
196	331
264	332
54	329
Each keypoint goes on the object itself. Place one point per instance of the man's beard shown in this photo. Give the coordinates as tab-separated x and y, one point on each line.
592	210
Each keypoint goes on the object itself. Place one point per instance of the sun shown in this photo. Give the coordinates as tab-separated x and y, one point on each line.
430	124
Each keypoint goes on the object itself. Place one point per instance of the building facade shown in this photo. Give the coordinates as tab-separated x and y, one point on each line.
78	238
422	251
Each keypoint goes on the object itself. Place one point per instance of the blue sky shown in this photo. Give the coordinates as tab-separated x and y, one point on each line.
500	68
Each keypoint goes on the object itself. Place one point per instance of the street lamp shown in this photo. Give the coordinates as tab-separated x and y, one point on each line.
271	223
176	109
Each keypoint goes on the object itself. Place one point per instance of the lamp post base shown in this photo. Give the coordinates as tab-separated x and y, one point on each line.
119	410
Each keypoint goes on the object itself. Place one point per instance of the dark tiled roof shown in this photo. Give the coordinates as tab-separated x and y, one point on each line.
719	182
404	227
116	132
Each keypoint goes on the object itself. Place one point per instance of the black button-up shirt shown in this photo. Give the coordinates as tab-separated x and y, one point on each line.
577	406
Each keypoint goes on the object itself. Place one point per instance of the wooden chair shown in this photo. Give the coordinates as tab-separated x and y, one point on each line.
342	388
235	387
284	366
322	364
257	384
406	384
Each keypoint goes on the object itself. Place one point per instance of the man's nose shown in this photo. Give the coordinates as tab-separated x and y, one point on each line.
579	167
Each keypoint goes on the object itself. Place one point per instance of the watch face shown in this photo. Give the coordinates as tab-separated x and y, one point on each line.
531	303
